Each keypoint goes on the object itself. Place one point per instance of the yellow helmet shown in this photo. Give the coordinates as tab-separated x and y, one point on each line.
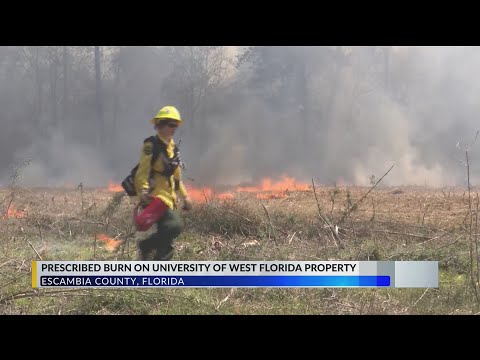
167	113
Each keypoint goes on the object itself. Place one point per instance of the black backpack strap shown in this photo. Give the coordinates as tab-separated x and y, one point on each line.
156	147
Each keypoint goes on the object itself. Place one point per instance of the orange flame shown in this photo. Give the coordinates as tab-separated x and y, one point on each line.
266	190
110	244
199	195
226	196
287	183
250	189
12	213
273	195
114	187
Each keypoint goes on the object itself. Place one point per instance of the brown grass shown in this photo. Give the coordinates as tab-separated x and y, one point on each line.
407	223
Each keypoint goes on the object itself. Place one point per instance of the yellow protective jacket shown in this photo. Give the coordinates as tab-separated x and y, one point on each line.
164	188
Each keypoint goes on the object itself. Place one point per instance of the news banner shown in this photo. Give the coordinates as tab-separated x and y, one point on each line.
235	274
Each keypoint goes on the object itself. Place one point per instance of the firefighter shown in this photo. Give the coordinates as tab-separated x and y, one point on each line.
157	184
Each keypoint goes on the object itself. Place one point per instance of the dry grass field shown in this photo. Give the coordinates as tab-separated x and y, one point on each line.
269	221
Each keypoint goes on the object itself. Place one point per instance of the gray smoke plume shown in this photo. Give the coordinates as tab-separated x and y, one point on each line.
328	113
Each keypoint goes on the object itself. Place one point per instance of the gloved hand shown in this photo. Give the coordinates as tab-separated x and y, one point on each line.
187	204
145	197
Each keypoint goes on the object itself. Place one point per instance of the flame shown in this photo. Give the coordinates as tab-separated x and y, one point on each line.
12	213
110	244
250	189
269	196
114	187
267	189
207	194
200	194
226	196
275	190
287	183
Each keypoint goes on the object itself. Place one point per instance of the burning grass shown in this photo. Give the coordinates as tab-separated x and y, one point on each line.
263	222
267	189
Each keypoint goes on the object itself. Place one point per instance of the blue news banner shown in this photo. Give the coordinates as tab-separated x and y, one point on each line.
233	274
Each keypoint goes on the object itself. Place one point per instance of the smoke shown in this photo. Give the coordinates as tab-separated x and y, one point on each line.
415	126
59	162
327	113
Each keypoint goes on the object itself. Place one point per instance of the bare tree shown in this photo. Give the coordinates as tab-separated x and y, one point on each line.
54	61
198	71
98	95
65	85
